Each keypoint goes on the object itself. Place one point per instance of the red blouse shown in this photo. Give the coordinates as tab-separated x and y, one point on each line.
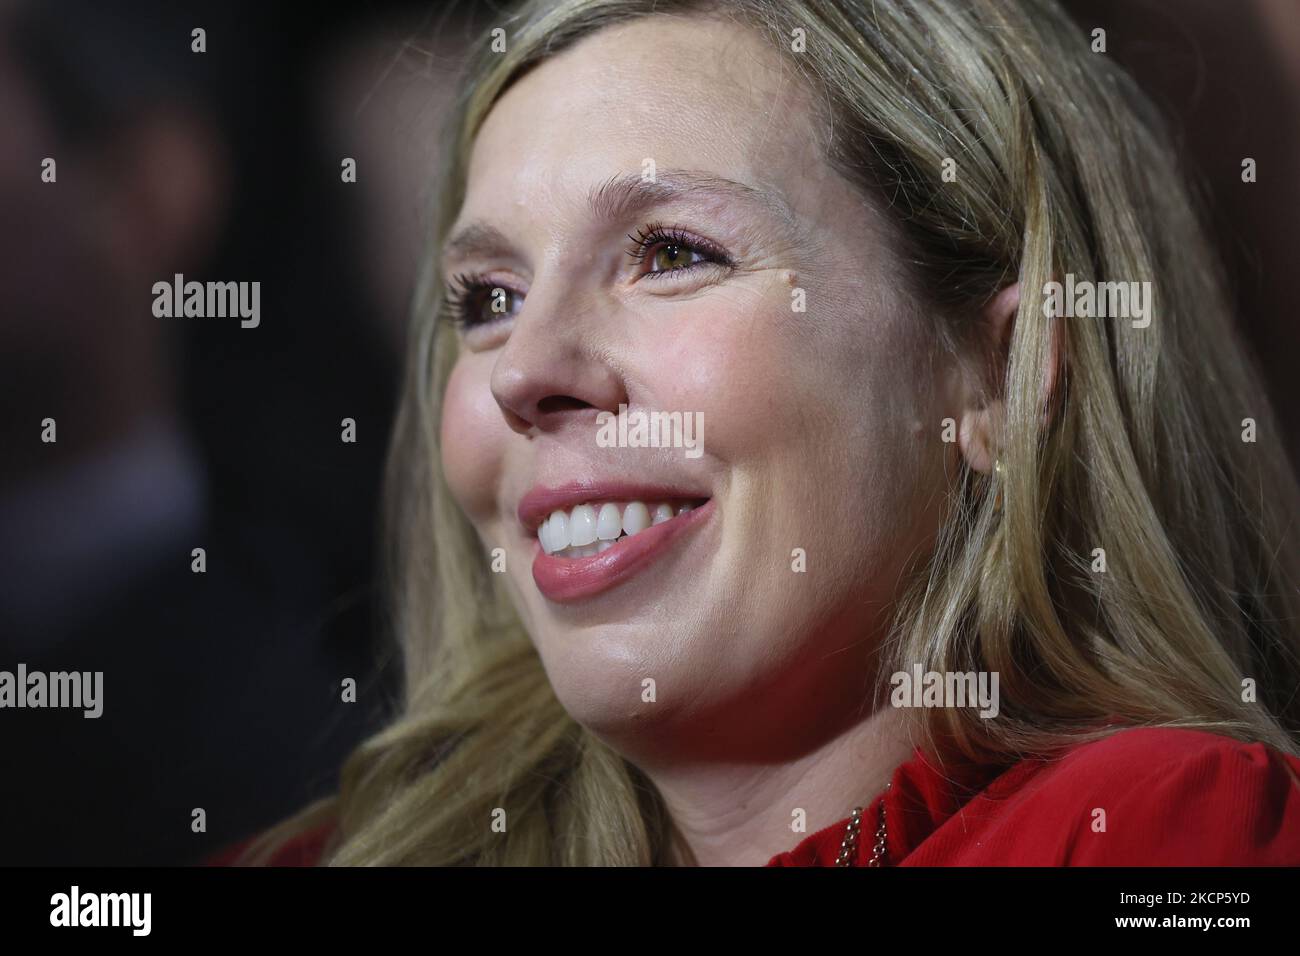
1141	797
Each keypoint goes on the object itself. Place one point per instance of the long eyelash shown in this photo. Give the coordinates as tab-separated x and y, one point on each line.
656	234
461	289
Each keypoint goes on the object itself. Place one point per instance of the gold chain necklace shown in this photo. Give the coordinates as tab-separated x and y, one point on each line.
849	846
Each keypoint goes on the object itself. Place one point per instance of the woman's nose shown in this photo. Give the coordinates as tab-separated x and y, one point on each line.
551	373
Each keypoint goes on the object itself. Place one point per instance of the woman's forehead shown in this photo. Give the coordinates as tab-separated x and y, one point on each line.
661	93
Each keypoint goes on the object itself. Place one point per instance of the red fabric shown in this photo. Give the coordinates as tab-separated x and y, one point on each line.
303	850
1170	797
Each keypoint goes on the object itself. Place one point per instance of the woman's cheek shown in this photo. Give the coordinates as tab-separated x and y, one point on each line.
472	431
733	363
773	395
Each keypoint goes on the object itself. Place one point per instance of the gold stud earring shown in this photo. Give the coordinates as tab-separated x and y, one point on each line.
999	473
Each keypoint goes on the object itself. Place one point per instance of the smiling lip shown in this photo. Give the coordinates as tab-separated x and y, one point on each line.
536	506
566	580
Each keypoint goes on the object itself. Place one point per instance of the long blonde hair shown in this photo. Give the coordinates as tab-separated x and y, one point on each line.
1062	168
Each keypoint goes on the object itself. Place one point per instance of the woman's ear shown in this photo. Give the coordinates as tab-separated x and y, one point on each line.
977	436
980	433
980	430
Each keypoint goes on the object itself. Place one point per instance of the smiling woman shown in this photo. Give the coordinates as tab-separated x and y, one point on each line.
823	228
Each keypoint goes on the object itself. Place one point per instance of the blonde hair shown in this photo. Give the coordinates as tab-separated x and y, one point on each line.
1062	169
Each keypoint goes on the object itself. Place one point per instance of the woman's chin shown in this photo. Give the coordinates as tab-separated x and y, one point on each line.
608	697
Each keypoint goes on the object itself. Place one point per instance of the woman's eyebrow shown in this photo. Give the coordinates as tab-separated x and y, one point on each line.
477	239
623	196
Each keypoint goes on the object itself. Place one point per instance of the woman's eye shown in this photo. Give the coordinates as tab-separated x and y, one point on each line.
675	256
471	303
669	252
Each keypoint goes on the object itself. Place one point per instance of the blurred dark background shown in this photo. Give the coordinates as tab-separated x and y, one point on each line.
222	689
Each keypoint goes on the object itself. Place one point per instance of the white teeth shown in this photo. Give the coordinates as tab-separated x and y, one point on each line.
582	526
554	533
610	523
636	517
588	529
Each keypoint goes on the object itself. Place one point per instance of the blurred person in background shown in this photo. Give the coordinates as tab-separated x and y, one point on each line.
223	689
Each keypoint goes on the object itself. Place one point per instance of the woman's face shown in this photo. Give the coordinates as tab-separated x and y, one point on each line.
763	304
